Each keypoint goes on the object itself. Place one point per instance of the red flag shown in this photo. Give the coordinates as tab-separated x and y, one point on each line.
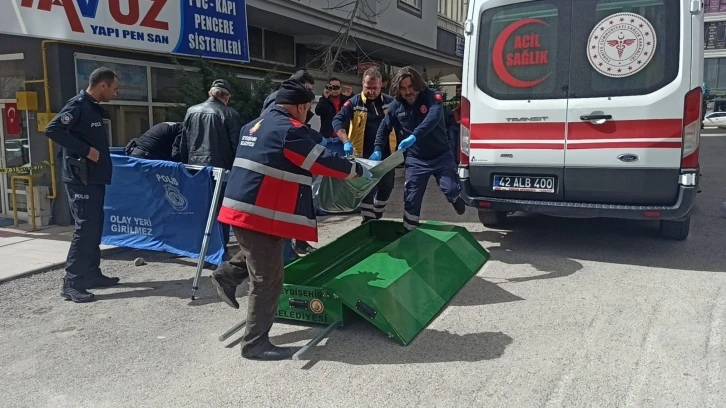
12	119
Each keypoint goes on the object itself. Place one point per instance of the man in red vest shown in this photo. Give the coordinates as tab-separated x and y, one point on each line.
268	200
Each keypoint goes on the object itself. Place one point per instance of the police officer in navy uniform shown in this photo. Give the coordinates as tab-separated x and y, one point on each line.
87	168
269	199
419	113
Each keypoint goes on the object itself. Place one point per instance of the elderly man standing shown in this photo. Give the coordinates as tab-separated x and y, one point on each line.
269	199
211	134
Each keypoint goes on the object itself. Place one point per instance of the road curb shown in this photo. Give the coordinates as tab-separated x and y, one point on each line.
56	265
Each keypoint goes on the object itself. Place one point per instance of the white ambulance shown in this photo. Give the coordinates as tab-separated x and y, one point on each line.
583	108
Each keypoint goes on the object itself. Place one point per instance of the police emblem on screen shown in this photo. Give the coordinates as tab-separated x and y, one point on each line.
175	198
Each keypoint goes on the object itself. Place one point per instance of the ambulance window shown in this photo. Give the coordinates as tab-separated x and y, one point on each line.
523	50
624	48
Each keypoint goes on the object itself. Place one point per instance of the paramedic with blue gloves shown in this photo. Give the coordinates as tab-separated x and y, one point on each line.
87	169
418	112
356	125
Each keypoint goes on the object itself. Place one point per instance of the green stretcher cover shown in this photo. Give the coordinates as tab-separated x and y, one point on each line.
341	196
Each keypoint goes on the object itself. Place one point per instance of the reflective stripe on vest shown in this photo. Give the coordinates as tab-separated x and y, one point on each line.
269	214
313	156
272	172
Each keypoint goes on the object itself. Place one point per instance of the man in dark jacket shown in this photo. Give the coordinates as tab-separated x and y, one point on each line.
161	142
328	106
418	112
211	130
211	134
301	76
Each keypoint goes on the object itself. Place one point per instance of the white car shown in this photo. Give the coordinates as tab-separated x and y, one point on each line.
715	119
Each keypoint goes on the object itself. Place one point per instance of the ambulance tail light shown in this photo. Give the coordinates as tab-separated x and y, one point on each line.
691	129
465	131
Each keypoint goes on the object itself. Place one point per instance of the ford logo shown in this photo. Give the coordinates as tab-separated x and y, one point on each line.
628	158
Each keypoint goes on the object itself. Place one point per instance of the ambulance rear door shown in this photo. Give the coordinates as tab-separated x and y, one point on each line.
516	85
630	72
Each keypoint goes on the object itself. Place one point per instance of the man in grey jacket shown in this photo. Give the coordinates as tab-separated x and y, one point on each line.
211	134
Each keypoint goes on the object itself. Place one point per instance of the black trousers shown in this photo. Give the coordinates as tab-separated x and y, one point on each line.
374	204
84	256
225	227
260	257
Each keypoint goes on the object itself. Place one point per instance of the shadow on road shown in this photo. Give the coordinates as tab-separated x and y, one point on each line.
553	245
361	344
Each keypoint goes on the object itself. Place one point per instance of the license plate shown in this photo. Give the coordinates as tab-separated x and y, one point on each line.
526	184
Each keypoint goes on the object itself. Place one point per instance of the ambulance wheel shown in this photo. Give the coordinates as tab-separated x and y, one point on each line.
675	229
491	218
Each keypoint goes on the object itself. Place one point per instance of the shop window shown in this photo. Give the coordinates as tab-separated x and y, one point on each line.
12	77
714	75
714	6
133	80
163	85
279	48
127	122
254	38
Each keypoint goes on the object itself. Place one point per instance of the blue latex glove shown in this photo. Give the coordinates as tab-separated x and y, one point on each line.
348	148
376	155
324	142
407	142
367	174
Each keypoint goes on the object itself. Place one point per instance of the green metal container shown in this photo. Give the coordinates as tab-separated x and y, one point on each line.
397	282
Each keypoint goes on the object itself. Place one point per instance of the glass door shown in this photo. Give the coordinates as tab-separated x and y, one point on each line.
3	164
15	153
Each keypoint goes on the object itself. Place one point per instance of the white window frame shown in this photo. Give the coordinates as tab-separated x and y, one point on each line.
148	64
417	4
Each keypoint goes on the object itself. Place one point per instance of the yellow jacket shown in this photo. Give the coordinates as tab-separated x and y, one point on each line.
355	112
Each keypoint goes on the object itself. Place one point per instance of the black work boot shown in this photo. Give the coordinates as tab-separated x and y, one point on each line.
302	247
268	352
459	206
77	295
225	292
101	281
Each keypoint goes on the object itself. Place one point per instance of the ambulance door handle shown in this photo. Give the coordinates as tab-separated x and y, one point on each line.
596	117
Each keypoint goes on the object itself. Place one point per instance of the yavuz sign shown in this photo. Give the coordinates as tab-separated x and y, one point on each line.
208	28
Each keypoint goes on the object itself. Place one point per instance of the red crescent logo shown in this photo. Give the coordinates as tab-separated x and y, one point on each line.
498	55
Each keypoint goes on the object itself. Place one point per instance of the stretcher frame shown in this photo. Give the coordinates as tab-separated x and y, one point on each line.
220	177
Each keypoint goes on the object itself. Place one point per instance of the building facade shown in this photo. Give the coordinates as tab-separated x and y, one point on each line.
281	35
714	75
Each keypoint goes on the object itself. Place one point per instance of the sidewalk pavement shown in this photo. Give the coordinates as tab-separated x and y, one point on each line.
23	252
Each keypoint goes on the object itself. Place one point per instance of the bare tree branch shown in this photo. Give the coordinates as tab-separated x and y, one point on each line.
332	56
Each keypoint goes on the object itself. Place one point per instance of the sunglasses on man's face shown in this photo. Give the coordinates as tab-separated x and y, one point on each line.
332	87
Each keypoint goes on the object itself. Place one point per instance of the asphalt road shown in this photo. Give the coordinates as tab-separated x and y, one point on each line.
568	313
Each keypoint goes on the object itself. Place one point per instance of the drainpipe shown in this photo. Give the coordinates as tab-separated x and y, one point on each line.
46	91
